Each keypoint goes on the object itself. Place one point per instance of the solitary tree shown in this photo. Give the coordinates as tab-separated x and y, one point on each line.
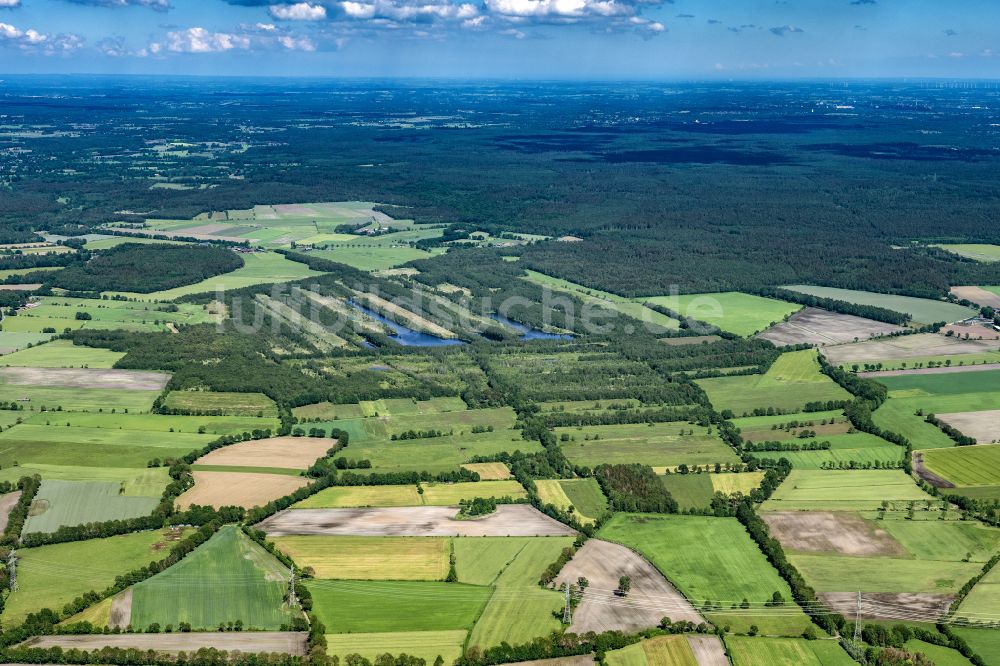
624	585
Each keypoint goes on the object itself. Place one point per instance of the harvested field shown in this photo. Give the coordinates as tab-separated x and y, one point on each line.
651	598
944	370
983	426
978	295
887	605
7	503
286	642
131	380
828	532
907	346
495	471
509	520
246	489
821	327
974	331
708	650
280	452
20	287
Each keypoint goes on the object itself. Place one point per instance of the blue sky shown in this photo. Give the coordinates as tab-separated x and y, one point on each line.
633	39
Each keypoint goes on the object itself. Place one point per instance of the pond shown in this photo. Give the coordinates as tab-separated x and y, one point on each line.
406	336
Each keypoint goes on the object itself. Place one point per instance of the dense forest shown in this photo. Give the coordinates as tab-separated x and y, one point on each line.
145	268
707	189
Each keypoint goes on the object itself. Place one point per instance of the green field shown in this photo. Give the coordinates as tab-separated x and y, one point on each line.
943	384
985	642
480	561
62	354
922	310
52	576
742	314
739	482
450	494
939	654
369	558
659	651
692	491
966	465
258	268
746	651
390	407
426	645
227	578
380	252
657	445
899	416
977	251
71	503
984	599
361	496
390	606
436	454
231	404
789	384
863	490
938	540
652	319
11	341
137	482
713	559
60	312
826	573
55	398
160	423
858	448
518	610
586	497
56	444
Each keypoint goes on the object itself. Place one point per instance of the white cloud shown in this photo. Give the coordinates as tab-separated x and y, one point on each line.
559	8
200	40
296	43
30	39
266	27
300	11
158	5
402	11
10	4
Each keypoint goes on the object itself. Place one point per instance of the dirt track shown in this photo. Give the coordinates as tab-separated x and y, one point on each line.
888	605
821	327
131	380
828	532
983	367
244	641
7	504
509	520
651	598
708	650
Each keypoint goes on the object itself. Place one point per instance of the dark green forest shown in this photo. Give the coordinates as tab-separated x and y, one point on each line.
708	189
